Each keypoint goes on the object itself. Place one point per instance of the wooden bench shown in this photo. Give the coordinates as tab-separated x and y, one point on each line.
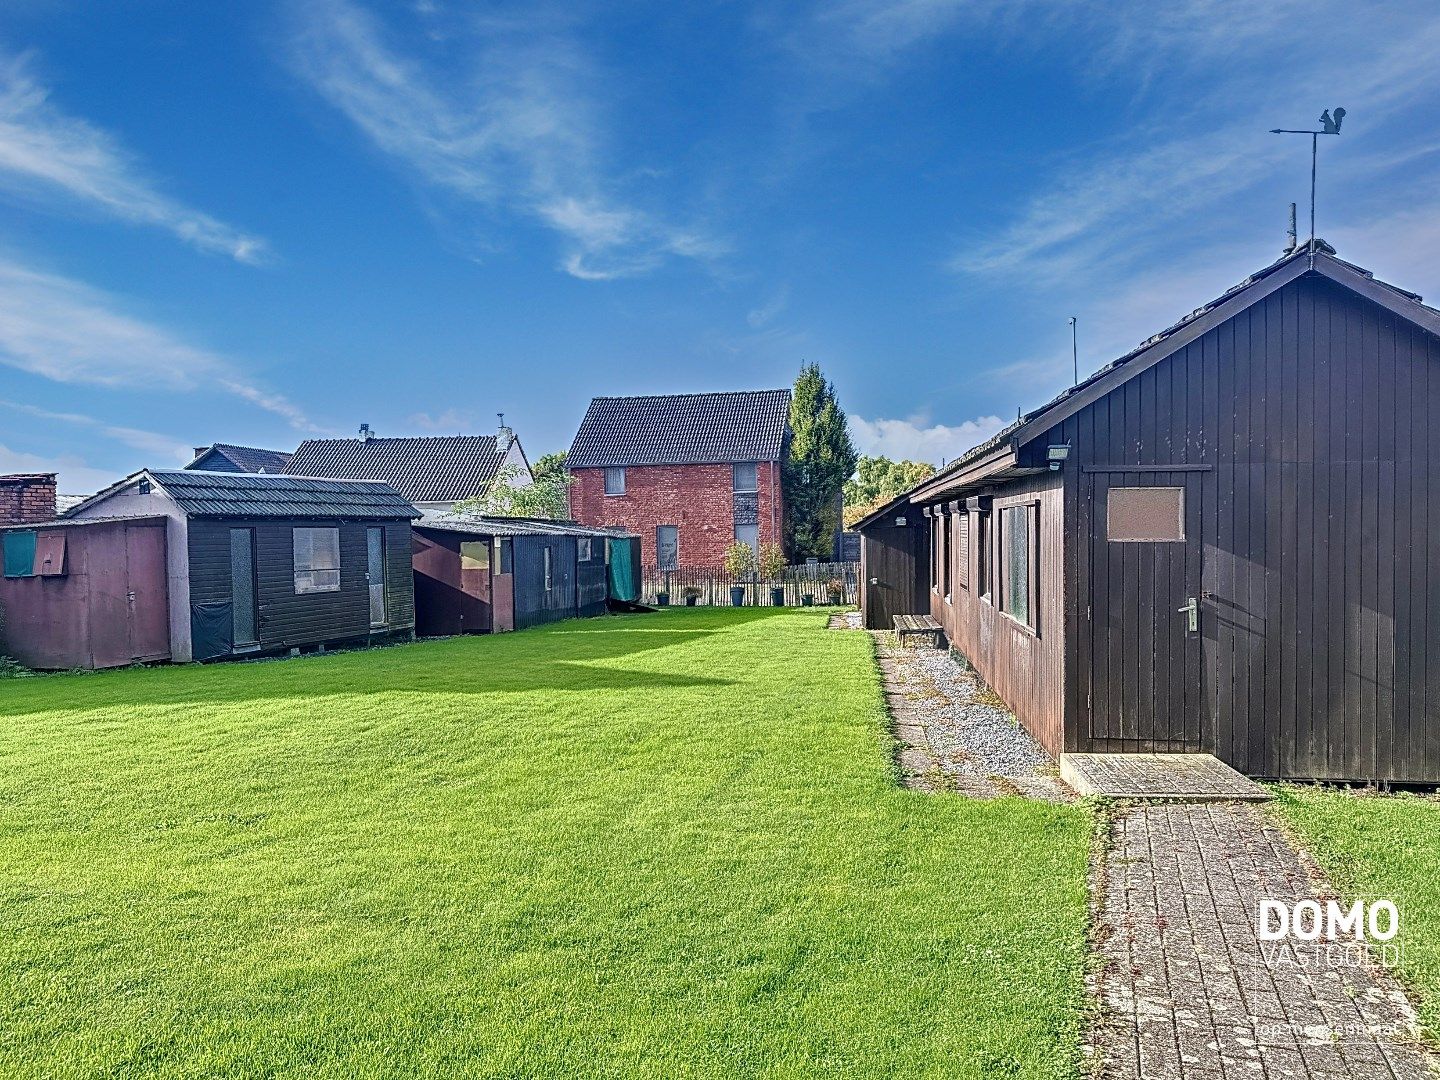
908	626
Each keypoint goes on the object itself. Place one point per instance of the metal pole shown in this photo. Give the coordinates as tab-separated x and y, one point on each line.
1314	145
1074	350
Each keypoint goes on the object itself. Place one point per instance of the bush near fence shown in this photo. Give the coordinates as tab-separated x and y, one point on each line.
714	585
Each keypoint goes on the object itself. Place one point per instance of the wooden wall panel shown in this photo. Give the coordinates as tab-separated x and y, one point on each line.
1025	668
1321	571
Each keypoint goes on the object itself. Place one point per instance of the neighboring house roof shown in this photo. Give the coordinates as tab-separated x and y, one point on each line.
253	495
683	429
1311	257
514	526
444	468
225	457
896	505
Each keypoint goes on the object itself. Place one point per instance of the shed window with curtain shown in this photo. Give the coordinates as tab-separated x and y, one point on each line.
317	560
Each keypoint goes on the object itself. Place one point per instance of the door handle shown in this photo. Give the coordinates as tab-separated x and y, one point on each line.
1191	610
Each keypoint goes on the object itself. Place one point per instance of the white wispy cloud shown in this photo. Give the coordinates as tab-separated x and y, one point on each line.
137	439
916	439
1187	164
516	130
47	154
68	332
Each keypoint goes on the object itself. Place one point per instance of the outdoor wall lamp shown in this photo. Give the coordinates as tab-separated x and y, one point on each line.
1057	454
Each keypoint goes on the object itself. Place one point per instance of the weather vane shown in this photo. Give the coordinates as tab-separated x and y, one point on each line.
1329	125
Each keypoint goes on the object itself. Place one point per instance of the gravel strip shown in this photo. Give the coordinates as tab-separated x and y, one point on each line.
951	737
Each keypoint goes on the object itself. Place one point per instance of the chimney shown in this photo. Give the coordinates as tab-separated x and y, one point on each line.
365	433
504	437
1291	237
26	498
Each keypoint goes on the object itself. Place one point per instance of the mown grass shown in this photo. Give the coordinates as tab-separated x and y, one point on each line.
646	845
1377	848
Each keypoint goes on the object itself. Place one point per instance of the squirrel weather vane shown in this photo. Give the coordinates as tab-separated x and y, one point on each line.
1330	121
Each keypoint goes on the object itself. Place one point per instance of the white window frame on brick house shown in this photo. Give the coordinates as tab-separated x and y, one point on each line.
615	480
753	479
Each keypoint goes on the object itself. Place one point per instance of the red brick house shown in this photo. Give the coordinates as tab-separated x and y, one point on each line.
688	473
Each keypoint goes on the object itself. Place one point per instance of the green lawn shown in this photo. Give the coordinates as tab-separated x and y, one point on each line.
1381	848
645	845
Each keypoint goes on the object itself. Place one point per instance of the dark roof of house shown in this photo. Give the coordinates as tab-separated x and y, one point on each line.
478	525
261	495
249	459
898	503
683	429
1318	257
442	468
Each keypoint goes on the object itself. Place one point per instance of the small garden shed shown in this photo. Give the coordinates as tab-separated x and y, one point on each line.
476	575
257	563
87	593
894	563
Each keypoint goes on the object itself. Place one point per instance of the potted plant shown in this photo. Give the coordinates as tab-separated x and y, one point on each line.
772	564
836	588
739	564
662	598
690	594
807	599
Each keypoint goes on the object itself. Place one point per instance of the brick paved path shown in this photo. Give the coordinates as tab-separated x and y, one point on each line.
1187	989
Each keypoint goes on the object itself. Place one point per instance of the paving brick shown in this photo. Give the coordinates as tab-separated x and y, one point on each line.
1190	993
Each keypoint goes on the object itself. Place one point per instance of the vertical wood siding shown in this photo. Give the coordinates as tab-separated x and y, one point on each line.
1321	570
288	619
1025	668
898	557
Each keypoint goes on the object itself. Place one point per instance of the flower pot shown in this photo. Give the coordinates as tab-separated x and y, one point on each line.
807	599
662	599
836	599
777	597
737	595
690	601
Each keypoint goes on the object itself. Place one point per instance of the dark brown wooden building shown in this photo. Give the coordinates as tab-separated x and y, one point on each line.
1224	541
258	563
894	567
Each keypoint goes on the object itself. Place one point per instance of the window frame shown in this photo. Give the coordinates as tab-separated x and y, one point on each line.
947	555
614	472
659	564
549	560
1028	516
754	467
753	545
583	549
297	569
985	556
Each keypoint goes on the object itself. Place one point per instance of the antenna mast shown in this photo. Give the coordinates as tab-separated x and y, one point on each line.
1329	125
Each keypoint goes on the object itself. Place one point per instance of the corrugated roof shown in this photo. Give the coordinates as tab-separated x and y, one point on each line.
250	459
683	429
513	526
252	495
441	468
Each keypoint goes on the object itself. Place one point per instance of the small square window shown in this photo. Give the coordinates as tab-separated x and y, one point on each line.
615	481
1145	514
317	560
746	476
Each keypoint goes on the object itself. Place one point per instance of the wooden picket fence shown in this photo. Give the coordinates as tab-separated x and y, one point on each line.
714	585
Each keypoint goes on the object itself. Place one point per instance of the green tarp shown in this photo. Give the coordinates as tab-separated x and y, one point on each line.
620	557
20	553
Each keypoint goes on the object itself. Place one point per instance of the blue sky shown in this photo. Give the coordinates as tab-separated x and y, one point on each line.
257	222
